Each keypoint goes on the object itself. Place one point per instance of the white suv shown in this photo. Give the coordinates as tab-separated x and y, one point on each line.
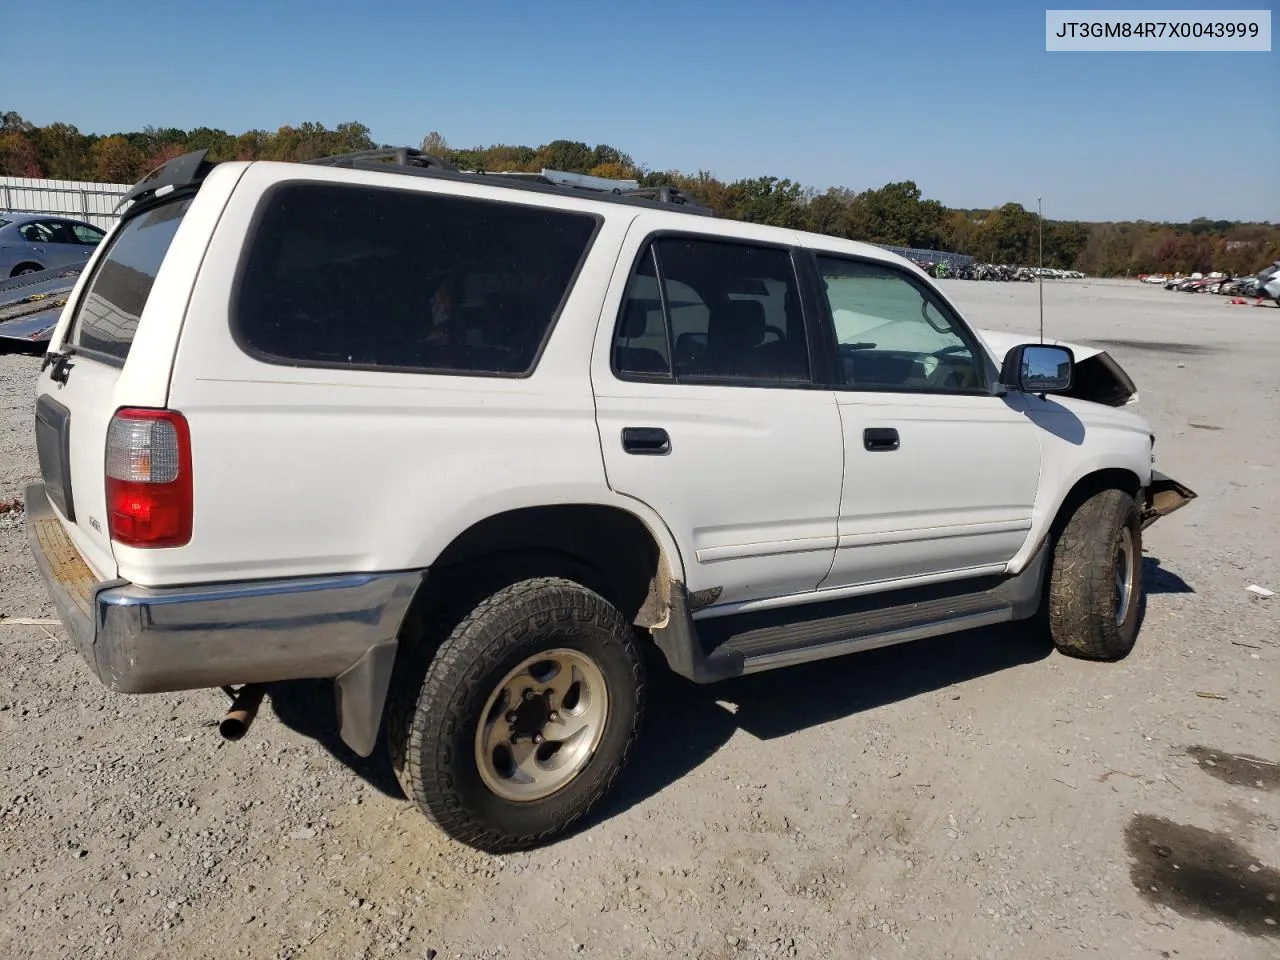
471	445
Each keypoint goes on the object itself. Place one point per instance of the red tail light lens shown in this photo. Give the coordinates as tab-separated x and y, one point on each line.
149	492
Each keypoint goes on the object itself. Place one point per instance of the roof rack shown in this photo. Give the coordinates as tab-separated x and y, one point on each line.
416	162
403	156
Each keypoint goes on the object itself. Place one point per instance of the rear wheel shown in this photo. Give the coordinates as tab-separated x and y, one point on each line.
23	269
524	718
1095	591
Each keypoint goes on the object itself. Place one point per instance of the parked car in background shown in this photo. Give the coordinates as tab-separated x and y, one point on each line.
31	242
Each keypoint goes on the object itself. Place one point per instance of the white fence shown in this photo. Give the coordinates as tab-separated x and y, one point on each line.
81	200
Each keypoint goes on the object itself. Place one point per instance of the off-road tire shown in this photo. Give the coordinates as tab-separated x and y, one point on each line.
1082	589
432	724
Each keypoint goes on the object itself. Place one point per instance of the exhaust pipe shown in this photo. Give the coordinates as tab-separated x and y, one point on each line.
244	707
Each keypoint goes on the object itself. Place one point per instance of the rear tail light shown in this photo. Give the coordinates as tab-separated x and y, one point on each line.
149	494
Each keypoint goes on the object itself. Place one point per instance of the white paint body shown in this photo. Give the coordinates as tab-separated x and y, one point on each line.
767	494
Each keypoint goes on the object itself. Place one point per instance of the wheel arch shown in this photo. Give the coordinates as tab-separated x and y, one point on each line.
623	555
1105	478
632	562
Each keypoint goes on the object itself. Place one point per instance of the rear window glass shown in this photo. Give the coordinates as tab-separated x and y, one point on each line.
122	280
379	278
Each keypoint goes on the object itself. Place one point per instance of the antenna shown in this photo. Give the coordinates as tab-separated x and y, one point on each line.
1040	271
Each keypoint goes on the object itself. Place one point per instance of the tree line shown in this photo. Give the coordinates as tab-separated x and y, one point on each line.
895	214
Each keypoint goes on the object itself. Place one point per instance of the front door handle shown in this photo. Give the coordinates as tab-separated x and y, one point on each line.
880	438
646	441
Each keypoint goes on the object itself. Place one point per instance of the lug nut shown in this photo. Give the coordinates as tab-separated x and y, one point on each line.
537	738
512	717
555	717
528	694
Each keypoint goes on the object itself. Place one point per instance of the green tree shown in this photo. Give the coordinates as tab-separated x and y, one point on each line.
62	152
828	212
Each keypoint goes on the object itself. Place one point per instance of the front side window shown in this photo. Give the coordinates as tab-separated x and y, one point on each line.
893	334
121	283
400	280
732	313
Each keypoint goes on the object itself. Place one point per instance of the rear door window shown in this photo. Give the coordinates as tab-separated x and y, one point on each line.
733	311
108	317
386	279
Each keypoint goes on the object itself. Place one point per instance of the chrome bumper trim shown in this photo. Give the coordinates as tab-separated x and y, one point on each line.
150	640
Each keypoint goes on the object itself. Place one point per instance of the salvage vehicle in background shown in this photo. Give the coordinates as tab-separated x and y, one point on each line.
30	243
30	305
593	434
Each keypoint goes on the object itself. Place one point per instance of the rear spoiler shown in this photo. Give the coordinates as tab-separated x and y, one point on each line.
184	171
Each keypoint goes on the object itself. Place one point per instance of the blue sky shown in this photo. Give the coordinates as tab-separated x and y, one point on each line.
961	98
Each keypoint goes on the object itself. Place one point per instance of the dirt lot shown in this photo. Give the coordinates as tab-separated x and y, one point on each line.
968	797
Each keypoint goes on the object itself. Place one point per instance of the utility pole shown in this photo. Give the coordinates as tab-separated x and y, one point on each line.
1040	272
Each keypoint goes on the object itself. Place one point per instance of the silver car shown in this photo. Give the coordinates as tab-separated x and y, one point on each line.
30	242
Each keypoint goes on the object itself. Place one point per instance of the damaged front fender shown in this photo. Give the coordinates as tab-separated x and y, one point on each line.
1097	377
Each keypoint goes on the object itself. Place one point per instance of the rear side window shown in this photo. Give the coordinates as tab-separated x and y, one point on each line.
122	281
379	278
732	314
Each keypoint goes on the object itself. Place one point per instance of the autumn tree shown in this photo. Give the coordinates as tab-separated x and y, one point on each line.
116	160
18	155
896	214
435	144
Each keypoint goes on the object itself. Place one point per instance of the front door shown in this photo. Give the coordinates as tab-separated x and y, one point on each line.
707	413
940	472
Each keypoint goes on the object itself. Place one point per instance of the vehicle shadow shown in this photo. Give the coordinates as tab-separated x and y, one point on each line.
686	723
1157	579
309	707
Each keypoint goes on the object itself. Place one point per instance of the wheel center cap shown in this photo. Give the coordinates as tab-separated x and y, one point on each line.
531	716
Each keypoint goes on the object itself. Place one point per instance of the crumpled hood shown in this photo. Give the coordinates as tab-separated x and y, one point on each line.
1098	378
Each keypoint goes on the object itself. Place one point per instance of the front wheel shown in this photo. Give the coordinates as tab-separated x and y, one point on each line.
1095	592
525	717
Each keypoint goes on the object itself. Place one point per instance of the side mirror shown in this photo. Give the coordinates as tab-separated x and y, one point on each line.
1038	368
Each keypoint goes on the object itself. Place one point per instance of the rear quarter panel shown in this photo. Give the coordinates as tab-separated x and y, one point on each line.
303	471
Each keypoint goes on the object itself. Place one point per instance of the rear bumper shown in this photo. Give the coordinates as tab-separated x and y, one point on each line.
143	640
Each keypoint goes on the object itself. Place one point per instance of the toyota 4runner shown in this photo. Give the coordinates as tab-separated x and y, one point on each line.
483	450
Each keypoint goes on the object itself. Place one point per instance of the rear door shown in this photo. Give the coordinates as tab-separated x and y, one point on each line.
78	392
64	247
708	413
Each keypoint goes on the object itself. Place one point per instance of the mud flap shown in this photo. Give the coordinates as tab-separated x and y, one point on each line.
1164	495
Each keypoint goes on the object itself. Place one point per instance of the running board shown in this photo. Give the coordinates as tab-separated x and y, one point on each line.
729	646
766	648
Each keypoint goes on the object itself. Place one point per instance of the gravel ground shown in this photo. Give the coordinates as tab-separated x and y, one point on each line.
968	797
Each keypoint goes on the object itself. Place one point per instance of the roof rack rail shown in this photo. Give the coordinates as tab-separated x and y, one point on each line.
403	156
409	160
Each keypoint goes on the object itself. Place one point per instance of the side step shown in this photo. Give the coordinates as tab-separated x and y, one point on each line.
765	648
720	647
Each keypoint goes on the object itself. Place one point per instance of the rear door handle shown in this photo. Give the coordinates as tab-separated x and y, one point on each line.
646	441
880	438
